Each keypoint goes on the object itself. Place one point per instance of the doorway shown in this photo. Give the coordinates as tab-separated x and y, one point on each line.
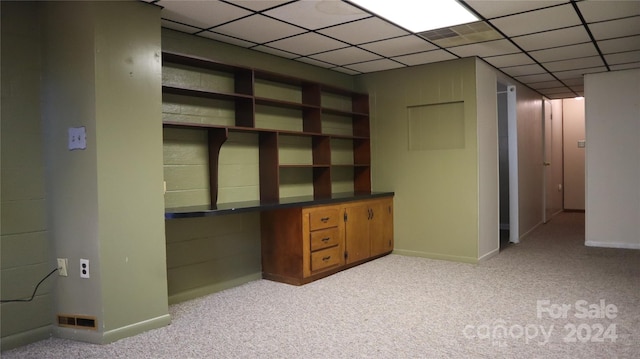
508	164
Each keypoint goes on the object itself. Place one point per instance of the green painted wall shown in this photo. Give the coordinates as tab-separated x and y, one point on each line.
210	254
24	244
102	71
436	202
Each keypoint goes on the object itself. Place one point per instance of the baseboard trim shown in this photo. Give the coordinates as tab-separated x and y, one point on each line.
31	336
489	255
217	287
618	245
111	336
527	233
429	255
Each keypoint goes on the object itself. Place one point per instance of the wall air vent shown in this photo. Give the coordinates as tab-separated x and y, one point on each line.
77	321
461	34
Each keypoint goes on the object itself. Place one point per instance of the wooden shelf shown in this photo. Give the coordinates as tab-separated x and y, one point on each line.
205	94
295	98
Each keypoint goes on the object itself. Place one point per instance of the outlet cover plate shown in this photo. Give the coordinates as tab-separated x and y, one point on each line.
77	138
62	267
84	268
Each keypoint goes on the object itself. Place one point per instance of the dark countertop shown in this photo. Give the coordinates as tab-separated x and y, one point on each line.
253	206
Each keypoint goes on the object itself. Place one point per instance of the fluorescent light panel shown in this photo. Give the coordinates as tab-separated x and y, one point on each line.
419	15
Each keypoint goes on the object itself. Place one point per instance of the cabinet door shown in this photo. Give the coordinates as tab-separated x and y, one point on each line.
357	233
381	227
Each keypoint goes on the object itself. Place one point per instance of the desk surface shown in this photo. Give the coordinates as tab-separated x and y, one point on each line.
253	206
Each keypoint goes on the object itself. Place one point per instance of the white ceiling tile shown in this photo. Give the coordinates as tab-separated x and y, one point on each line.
594	11
555	38
482	49
367	30
620	44
258	5
577	73
615	28
625	66
272	51
346	56
565	52
425	57
535	78
574	81
258	29
560	95
532	69
179	27
346	71
225	38
307	44
554	90
317	14
490	9
545	84
541	20
623	57
509	60
315	62
582	63
399	46
203	14
377	65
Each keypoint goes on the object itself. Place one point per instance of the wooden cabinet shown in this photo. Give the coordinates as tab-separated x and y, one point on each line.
369	229
331	123
302	244
381	227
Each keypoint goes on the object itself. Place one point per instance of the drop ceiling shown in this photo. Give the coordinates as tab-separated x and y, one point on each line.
546	45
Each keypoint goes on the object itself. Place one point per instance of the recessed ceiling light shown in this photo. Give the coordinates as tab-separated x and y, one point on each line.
419	15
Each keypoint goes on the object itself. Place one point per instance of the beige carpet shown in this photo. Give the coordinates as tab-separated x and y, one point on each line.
403	307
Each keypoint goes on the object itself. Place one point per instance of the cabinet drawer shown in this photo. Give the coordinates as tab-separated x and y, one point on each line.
323	218
324	238
326	258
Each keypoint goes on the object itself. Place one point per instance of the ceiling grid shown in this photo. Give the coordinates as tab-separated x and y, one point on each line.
548	45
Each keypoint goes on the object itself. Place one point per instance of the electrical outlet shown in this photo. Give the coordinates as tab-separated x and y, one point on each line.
62	267
84	268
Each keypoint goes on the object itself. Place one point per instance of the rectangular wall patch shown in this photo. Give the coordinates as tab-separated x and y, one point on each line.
436	126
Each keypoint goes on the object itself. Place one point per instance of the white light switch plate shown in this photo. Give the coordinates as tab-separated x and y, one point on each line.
77	138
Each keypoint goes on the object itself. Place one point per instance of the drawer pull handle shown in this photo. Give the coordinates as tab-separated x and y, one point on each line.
324	259
324	219
325	239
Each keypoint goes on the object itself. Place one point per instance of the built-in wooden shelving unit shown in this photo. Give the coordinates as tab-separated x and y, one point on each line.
317	103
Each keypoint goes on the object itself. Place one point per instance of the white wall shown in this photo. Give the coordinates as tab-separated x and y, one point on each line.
488	173
530	159
574	156
613	159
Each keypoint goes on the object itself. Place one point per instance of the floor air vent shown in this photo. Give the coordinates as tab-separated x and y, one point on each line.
77	321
